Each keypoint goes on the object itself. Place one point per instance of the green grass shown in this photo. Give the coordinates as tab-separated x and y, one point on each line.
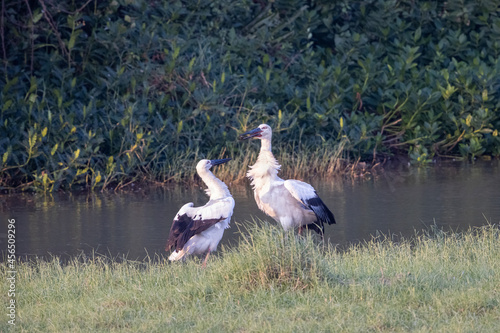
296	160
275	282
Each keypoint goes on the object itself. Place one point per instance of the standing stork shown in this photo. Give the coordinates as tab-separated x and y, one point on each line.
197	230
292	203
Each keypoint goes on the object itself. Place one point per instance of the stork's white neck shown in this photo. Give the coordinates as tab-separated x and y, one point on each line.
266	168
216	187
265	145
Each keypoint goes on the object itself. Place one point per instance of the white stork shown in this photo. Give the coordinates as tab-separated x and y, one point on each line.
197	230
292	203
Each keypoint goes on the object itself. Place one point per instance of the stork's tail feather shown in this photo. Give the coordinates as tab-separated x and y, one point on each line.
177	255
318	227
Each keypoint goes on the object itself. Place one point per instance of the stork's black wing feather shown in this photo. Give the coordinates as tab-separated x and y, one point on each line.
184	227
179	226
306	194
321	211
196	227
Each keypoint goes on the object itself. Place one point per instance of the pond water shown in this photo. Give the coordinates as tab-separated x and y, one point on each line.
399	201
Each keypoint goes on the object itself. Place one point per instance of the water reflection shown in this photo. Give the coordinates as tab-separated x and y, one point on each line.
399	201
453	196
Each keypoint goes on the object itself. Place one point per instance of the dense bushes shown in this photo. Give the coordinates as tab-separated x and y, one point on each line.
95	93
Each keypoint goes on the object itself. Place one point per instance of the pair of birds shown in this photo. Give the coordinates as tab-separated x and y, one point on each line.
293	203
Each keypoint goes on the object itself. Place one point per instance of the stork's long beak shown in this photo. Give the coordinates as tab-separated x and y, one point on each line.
250	134
221	161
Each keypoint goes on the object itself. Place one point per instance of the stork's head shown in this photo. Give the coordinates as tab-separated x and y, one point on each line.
264	131
204	165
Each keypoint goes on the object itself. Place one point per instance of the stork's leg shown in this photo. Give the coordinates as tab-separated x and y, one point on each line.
300	230
205	261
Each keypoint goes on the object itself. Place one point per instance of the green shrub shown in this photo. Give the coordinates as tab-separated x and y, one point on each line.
104	93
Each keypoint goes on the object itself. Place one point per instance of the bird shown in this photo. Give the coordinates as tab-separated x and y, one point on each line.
198	230
292	203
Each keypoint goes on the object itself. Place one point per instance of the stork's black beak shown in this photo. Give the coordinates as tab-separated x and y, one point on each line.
250	134
221	161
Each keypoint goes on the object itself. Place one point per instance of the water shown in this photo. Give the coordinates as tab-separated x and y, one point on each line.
399	201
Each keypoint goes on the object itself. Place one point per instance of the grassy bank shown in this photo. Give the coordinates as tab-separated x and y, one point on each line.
275	282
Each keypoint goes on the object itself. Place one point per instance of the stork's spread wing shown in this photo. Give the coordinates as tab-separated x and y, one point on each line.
306	194
179	225
191	221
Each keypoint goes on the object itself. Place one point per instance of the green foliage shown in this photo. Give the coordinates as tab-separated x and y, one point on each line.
105	93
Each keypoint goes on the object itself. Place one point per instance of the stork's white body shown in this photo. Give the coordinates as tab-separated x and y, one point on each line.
207	240
203	225
292	203
273	196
